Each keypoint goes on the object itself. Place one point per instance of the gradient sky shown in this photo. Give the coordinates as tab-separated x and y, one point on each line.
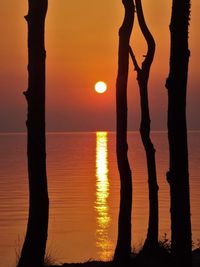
81	44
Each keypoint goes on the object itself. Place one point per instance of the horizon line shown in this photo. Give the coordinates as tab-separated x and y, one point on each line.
94	131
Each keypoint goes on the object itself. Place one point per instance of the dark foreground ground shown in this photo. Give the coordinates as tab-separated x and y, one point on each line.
136	261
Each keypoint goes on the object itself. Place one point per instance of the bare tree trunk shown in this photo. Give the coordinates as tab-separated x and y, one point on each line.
178	175
151	243
123	248
33	250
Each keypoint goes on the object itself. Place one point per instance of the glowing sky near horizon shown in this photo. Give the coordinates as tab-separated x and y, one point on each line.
81	44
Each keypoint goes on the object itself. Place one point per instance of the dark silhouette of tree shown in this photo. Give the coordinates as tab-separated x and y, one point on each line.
151	243
178	175
33	250
123	248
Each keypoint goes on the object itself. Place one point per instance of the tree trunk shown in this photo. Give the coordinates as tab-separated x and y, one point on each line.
151	243
33	250
178	175
123	248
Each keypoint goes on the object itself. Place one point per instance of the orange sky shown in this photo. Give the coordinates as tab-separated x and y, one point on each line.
81	44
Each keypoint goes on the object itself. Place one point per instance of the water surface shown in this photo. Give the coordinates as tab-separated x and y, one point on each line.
84	193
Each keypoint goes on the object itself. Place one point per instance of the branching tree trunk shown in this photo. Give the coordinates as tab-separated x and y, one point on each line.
178	175
151	243
33	250
123	248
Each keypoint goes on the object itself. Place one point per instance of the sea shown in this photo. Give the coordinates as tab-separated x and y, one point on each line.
83	183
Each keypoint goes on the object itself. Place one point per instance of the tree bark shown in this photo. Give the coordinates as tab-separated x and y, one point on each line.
178	175
123	248
33	250
151	243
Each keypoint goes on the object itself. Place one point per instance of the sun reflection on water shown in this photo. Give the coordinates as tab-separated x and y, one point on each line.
103	242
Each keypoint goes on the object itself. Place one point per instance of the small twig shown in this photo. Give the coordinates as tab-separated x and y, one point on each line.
137	68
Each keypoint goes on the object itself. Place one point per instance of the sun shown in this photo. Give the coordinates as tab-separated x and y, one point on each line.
100	87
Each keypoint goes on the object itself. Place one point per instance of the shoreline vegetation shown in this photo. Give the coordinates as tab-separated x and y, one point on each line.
139	257
162	259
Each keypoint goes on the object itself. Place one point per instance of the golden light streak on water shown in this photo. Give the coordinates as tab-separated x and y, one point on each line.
103	242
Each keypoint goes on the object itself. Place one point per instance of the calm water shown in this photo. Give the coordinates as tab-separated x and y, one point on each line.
84	193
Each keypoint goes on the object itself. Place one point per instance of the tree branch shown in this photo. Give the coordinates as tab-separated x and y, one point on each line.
134	60
147	35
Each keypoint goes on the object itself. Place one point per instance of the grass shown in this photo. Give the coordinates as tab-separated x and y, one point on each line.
138	259
50	258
